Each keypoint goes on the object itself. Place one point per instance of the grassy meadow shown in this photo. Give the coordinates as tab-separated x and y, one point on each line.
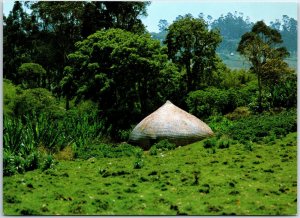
216	176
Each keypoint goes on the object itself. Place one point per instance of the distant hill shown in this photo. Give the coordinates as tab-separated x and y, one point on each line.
233	26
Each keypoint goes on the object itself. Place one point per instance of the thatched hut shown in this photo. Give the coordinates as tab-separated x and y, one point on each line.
172	123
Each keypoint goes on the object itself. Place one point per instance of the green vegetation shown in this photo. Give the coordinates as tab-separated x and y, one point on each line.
193	46
235	179
78	76
248	168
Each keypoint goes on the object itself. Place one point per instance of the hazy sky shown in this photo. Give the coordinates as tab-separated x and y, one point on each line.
165	9
258	10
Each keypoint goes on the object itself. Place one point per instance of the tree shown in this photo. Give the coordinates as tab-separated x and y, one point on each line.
122	72
192	45
31	75
260	47
289	33
15	38
232	27
163	25
62	24
59	23
99	15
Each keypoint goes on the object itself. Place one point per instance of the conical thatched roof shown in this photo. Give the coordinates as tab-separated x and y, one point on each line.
172	123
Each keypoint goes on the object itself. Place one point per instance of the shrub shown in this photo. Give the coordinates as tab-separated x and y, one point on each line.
9	166
65	154
163	145
10	92
214	101
31	74
138	164
238	113
99	150
219	124
37	101
210	143
284	92
257	127
48	162
224	142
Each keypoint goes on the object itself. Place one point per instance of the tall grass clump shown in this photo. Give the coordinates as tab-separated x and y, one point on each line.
24	137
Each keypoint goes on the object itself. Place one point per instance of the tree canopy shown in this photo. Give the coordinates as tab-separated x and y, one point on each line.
192	45
122	71
261	48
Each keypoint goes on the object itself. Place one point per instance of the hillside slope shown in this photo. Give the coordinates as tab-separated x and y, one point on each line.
189	180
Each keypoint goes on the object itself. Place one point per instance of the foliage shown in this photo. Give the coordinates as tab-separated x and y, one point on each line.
10	91
232	26
256	127
283	92
31	75
23	138
37	101
260	47
48	33
193	46
105	15
238	113
14	41
214	101
162	145
120	71
225	78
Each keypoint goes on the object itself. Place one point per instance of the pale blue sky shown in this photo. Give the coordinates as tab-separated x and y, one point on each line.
169	10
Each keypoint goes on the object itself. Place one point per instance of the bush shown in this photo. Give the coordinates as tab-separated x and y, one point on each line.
226	78
138	164
224	142
214	101
10	92
239	112
99	150
257	127
210	143
163	145
284	92
31	75
37	101
48	162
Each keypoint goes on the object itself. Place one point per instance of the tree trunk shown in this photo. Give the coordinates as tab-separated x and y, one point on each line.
67	103
260	109
189	76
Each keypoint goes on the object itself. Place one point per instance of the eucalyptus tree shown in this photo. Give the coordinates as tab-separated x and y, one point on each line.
191	45
261	46
15	38
99	15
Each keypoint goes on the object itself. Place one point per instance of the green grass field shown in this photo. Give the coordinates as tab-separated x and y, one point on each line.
190	180
238	62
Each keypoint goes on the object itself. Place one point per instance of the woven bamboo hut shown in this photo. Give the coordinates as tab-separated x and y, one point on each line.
172	123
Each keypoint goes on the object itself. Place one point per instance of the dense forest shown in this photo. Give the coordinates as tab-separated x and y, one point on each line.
78	76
